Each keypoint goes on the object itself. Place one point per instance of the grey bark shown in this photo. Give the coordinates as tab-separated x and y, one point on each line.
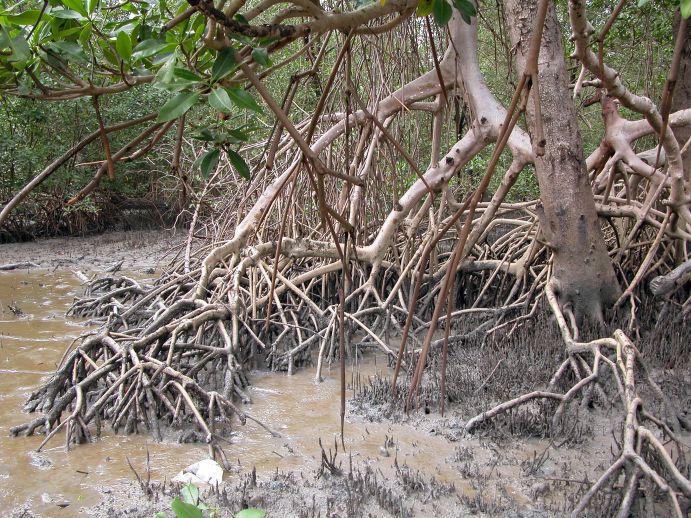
664	284
682	91
583	271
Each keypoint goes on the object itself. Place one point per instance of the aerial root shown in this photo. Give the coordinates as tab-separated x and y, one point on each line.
643	452
640	442
166	357
104	380
116	292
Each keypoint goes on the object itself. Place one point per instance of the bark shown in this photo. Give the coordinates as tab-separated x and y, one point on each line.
665	284
682	92
611	80
581	267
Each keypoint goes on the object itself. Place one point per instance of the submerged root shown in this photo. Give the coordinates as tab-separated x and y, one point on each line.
132	388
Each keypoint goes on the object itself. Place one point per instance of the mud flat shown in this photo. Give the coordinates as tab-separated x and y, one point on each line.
138	250
393	464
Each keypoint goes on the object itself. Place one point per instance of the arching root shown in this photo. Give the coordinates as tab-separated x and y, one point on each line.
178	371
644	449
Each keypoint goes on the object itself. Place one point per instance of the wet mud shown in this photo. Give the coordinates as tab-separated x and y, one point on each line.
393	464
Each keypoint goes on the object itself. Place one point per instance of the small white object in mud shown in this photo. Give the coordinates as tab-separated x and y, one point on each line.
205	471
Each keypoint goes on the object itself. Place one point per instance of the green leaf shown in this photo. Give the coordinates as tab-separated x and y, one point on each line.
442	12
424	8
241	168
198	23
67	34
641	3
122	25
165	73
67	14
228	138
185	74
29	17
75	5
183	510
85	34
239	135
177	106
251	512
204	134
466	8
225	62
190	493
261	56
108	54
685	8
146	31
20	49
91	5
147	5
243	99
4	38
123	44
70	50
160	514
220	100
208	165
148	48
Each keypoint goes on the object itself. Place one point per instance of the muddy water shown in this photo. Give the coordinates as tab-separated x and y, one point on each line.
31	345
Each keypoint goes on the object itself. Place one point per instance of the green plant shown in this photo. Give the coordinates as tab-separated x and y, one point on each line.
251	512
189	505
87	206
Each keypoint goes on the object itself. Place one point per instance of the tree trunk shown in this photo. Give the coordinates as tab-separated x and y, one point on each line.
682	91
582	269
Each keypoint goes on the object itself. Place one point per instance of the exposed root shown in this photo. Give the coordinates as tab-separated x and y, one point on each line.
167	358
132	378
645	452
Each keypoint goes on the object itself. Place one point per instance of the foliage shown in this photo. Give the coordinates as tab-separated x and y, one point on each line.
177	73
684	5
189	505
73	40
35	133
133	66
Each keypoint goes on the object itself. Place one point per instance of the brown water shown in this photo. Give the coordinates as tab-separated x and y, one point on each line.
301	410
